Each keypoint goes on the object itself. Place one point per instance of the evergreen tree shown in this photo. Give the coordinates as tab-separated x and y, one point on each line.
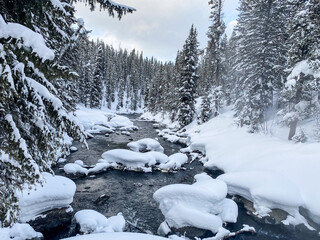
260	28
188	79
300	96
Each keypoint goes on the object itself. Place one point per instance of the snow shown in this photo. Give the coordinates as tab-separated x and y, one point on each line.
302	67
146	144
91	221
266	169
138	161
175	161
74	168
73	149
19	231
134	160
29	38
203	204
56	192
101	121
117	236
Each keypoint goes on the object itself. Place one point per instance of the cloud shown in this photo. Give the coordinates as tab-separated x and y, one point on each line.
158	27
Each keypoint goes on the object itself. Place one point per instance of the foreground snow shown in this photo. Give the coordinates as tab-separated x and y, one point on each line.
202	205
56	192
91	221
19	232
117	236
267	170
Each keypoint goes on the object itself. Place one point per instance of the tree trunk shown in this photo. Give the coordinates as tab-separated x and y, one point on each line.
293	128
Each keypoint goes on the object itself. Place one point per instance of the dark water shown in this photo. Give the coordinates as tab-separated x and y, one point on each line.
131	192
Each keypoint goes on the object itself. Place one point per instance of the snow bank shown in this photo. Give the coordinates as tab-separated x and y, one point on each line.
268	170
203	204
19	231
137	161
29	38
91	221
146	144
56	192
74	168
117	236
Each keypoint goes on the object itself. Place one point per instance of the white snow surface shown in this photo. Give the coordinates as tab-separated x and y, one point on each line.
266	169
117	236
91	221
102	121
56	192
19	231
203	204
146	144
142	161
29	38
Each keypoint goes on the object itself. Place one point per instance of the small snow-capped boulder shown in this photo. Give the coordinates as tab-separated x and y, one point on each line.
75	169
73	149
146	144
201	205
91	221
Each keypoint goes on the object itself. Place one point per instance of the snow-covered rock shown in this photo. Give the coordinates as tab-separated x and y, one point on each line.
19	231
73	149
117	236
74	168
91	221
56	192
134	160
202	205
146	144
175	161
121	121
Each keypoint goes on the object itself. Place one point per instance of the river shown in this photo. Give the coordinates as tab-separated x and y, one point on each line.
131	193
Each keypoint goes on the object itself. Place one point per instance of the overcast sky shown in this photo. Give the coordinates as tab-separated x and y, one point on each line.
158	27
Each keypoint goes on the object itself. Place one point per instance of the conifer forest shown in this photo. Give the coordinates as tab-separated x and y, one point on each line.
230	129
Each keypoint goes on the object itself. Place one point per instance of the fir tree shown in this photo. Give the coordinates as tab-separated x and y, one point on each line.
300	96
188	79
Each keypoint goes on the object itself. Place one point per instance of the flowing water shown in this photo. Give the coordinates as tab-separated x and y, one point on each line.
131	192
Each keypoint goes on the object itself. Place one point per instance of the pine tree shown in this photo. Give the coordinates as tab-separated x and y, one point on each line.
188	79
213	63
259	29
300	96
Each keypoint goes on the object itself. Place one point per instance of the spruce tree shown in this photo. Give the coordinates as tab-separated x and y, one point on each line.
300	96
261	58
188	79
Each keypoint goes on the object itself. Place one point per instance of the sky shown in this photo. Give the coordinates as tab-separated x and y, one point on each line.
159	28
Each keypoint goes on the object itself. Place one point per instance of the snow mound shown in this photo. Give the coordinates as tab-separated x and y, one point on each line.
19	231
56	192
134	160
74	168
175	161
202	205
146	144
117	236
97	121
137	161
91	221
